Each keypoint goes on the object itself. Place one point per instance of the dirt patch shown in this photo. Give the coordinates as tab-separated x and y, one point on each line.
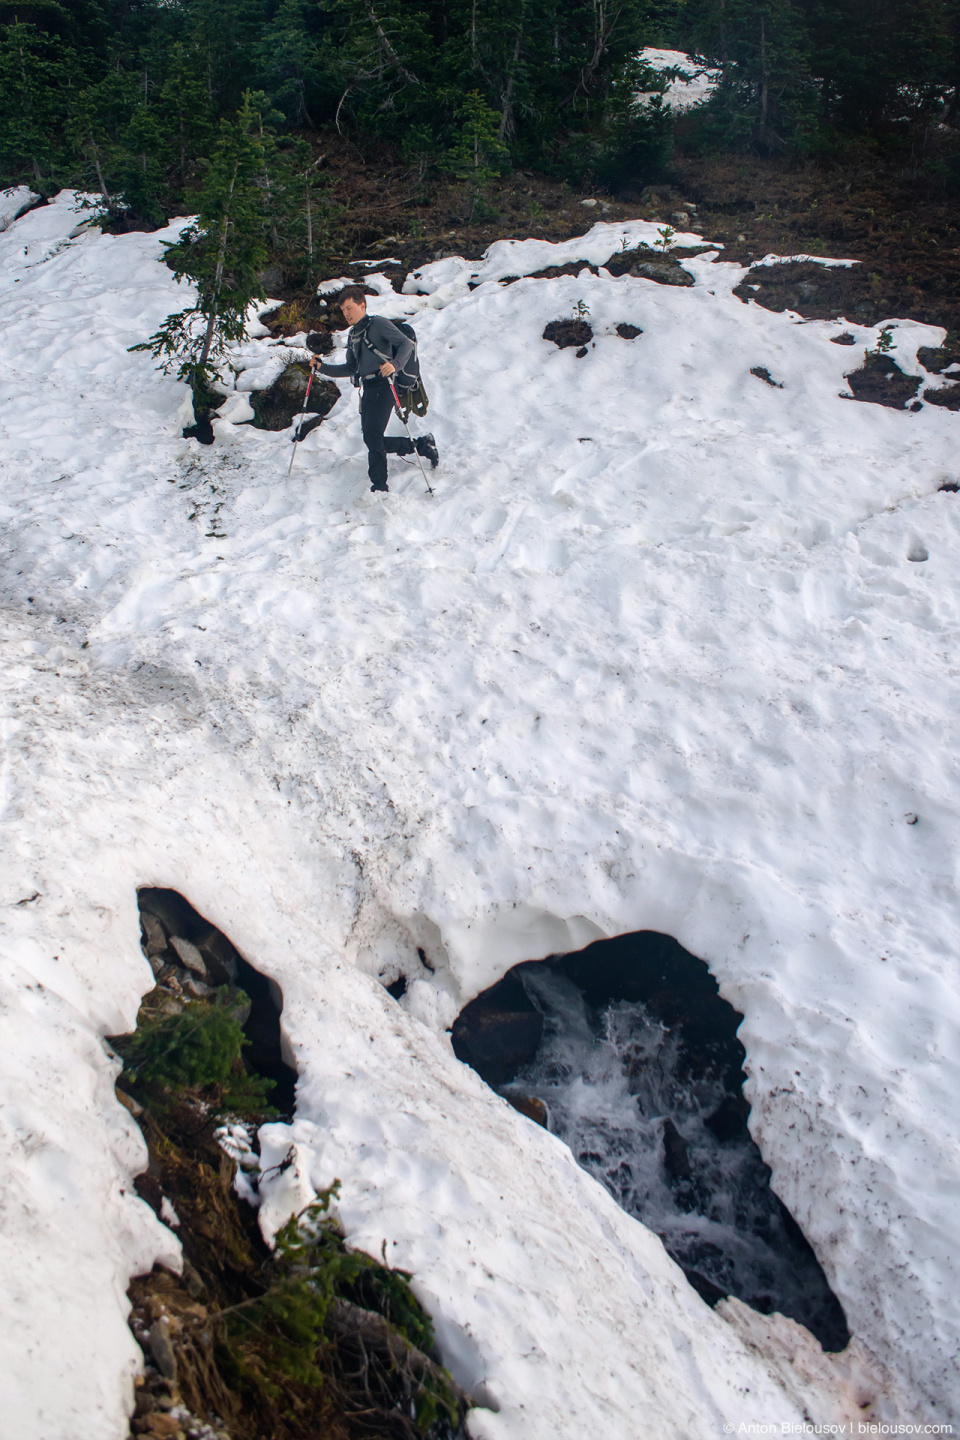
627	331
948	396
553	272
762	373
880	381
818	292
565	333
938	360
845	339
896	216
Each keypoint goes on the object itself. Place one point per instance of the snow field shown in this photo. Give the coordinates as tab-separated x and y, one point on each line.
655	657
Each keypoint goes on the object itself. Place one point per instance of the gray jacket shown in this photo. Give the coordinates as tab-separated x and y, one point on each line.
362	362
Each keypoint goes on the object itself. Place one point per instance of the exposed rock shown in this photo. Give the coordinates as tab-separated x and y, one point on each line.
275	407
565	333
498	1032
845	339
628	332
188	955
220	958
162	1348
664	272
531	1106
657	194
154	937
680	218
880	381
581	352
588	204
762	373
196	989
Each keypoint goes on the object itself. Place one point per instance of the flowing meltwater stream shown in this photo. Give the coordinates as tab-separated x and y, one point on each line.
663	1129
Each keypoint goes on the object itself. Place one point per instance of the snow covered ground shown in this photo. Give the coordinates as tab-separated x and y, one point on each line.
662	653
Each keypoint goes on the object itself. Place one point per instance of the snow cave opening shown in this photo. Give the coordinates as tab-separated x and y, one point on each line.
628	1053
190	957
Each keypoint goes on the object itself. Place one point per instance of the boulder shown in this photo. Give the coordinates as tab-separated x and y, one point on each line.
276	407
220	958
531	1106
153	936
188	955
664	272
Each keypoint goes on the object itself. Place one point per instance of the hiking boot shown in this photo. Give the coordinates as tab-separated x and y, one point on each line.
427	447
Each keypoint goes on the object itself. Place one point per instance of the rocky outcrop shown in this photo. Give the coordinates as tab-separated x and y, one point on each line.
278	406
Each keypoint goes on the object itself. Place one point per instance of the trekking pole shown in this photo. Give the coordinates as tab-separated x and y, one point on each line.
396	401
296	438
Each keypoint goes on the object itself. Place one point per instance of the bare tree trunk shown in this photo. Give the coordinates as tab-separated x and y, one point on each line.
218	275
764	79
506	128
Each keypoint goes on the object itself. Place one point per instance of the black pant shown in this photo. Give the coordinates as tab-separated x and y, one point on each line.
376	405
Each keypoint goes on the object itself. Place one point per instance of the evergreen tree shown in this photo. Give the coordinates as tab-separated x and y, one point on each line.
35	71
221	255
765	98
478	154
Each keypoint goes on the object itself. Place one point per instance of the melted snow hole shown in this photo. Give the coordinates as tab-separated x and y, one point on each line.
629	1054
190	958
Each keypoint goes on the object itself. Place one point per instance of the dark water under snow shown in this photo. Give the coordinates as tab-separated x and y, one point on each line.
621	1091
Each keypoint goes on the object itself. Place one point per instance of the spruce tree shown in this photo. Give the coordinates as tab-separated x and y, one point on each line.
35	71
478	153
221	254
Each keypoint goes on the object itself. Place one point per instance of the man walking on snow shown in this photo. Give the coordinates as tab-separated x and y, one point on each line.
370	334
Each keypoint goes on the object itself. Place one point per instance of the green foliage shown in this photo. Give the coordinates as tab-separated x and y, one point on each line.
35	68
128	100
280	1333
221	254
199	1048
478	154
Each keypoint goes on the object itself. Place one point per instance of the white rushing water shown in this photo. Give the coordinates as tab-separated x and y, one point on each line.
621	1091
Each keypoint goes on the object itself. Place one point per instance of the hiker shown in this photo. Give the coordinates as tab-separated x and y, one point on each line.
372	338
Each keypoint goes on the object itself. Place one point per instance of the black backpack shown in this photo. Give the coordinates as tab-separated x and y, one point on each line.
408	381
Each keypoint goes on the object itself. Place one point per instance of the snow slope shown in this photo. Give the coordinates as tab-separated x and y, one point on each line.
656	656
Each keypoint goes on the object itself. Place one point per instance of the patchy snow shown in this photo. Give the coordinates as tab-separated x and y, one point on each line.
13	203
692	86
656	656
